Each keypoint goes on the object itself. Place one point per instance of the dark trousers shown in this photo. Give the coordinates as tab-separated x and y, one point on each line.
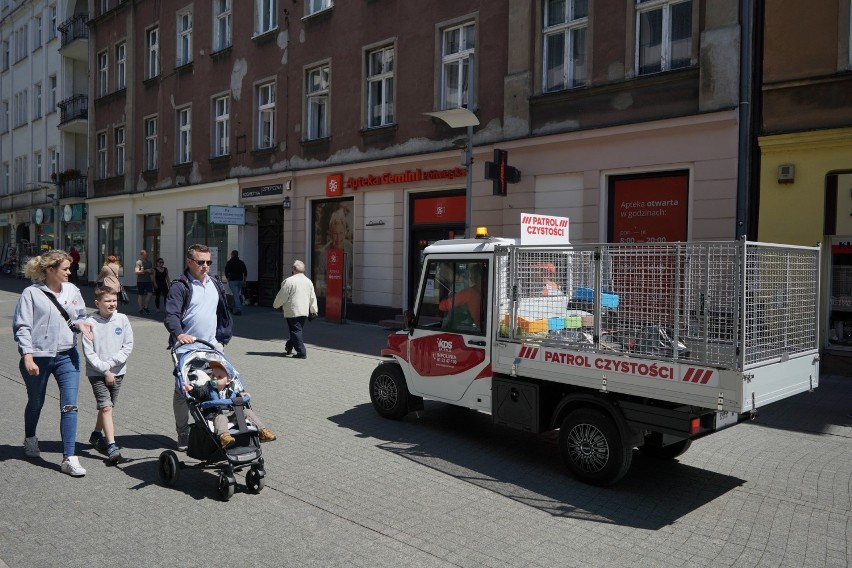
295	342
160	290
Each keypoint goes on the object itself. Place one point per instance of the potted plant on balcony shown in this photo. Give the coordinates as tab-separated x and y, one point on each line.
64	176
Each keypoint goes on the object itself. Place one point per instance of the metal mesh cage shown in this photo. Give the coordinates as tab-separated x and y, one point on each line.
720	304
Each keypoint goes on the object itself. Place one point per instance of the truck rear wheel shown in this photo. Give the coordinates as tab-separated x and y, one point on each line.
388	391
591	447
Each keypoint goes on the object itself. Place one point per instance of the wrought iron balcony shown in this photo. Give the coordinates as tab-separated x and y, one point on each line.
74	28
74	187
74	108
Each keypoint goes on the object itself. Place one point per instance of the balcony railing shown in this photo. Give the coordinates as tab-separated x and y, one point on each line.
75	187
74	28
73	108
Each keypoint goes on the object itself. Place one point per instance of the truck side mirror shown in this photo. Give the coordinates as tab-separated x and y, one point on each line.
409	320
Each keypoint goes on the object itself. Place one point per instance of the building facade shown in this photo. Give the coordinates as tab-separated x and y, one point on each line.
806	146
43	128
307	121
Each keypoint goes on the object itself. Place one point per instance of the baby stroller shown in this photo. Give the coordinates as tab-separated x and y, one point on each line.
203	443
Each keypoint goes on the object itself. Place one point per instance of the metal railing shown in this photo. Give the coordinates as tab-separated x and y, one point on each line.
74	28
73	108
75	187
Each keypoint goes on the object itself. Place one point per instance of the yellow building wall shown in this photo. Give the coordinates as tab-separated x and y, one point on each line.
793	213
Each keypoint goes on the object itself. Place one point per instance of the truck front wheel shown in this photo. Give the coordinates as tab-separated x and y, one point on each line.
591	447
388	391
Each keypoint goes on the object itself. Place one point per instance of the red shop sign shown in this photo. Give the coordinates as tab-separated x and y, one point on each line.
439	210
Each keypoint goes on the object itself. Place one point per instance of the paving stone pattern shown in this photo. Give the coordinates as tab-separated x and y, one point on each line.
443	488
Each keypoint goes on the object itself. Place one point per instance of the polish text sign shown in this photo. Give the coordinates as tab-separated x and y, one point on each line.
543	230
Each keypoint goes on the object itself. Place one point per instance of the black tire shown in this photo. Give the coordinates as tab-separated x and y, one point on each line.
591	447
169	468
669	452
225	487
254	481
388	391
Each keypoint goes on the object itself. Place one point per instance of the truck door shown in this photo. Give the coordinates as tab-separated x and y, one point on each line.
449	347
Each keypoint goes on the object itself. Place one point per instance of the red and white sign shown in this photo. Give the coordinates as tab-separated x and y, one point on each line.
543	230
334	185
334	285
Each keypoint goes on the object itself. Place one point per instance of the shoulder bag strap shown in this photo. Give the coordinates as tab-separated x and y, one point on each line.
58	307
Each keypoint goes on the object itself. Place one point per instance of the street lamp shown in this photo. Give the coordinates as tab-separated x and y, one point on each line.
460	118
55	197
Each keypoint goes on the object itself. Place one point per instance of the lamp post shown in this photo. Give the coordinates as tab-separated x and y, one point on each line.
460	118
56	225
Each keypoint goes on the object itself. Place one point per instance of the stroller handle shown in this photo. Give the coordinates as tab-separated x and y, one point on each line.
177	346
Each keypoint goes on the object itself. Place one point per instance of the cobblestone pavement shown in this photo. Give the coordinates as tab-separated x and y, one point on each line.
443	488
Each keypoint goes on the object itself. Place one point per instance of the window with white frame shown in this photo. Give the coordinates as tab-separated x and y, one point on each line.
21	108
4	116
317	90
37	96
37	165
7	186
103	6
184	37
564	31
221	126
663	35
119	150
101	160
52	22
21	43
51	95
103	73
314	6
152	52
380	92
20	173
265	97
5	55
53	156
457	48
150	157
121	66
221	24
37	32
266	16
184	135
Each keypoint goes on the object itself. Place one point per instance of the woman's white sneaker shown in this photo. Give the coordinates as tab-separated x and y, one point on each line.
31	447
71	466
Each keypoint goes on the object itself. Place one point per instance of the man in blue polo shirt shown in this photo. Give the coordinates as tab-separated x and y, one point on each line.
196	308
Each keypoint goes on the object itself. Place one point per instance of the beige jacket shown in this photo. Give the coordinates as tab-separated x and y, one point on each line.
296	297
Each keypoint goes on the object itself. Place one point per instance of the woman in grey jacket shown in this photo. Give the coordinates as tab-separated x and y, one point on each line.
47	343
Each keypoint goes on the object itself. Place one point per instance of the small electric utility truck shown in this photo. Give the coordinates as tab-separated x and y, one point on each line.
617	346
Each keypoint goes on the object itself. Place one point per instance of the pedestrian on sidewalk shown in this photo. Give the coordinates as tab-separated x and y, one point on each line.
236	273
144	282
161	283
106	365
48	316
196	308
298	300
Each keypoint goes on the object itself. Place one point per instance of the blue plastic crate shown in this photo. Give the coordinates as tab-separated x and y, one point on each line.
608	299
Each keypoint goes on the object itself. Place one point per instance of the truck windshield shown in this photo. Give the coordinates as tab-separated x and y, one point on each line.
454	295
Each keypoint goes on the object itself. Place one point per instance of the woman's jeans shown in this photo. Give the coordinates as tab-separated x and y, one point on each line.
65	368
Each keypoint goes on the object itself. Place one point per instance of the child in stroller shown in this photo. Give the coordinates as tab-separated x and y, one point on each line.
222	387
220	403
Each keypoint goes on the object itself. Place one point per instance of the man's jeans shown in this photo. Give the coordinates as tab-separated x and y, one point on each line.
65	368
235	287
295	342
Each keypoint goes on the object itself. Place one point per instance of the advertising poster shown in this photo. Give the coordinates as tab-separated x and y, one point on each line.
649	209
333	221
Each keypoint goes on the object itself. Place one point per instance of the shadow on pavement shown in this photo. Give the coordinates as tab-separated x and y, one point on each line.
9	452
526	468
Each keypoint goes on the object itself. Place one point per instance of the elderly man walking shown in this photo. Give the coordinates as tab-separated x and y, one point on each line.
297	300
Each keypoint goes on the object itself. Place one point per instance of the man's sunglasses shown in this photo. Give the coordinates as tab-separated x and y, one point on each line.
202	262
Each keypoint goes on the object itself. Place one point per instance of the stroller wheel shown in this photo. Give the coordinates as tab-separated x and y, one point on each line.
254	481
226	487
169	467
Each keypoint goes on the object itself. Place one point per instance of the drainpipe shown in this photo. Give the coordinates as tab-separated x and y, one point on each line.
748	179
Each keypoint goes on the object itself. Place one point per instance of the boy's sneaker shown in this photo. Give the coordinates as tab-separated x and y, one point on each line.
113	453
71	466
182	441
226	440
98	442
31	447
266	435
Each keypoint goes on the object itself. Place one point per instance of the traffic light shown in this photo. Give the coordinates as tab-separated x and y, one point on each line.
501	172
